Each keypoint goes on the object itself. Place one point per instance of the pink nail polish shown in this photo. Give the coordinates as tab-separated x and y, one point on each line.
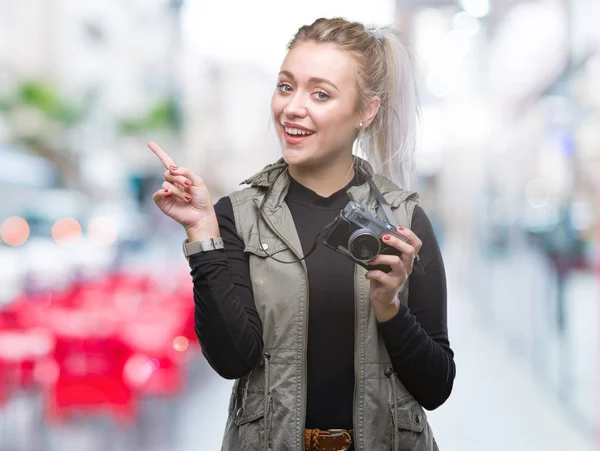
400	228
166	191
187	183
386	237
188	197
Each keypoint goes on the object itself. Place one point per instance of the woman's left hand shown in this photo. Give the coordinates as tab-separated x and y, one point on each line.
386	286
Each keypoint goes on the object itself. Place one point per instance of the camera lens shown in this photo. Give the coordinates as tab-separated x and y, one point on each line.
364	245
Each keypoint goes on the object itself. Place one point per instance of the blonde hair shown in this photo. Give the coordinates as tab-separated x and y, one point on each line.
385	70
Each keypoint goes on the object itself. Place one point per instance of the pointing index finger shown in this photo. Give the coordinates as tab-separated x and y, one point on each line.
164	158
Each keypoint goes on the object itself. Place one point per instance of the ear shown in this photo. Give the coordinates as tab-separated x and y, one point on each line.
370	111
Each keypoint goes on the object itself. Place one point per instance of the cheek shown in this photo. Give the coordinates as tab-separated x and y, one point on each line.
338	125
277	105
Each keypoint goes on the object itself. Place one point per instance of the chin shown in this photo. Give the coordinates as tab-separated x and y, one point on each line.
298	156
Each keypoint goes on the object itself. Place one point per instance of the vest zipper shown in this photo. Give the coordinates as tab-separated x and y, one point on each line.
392	377
267	400
305	335
358	432
357	429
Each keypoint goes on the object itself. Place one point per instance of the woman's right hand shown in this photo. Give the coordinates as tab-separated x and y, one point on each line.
183	196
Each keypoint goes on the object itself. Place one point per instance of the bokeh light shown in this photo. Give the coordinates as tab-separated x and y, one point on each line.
14	231
66	229
102	230
180	343
476	8
138	369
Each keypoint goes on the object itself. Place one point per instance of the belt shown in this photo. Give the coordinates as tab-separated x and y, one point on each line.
327	440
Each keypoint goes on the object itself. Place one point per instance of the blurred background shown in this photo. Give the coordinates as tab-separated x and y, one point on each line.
97	347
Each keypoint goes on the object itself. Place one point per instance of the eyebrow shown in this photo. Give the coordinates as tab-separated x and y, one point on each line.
315	80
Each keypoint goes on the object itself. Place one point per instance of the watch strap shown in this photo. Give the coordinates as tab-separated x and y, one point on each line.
195	247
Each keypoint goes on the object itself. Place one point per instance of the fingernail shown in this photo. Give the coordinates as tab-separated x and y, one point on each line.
187	183
400	228
166	191
188	197
173	168
386	237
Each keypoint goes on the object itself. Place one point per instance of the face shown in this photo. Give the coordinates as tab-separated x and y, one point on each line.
315	104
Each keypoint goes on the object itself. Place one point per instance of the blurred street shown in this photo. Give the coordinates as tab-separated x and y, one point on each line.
498	403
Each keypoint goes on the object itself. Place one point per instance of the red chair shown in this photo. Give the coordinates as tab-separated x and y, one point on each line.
112	339
90	360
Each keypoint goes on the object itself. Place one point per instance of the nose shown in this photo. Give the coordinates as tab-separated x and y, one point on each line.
295	106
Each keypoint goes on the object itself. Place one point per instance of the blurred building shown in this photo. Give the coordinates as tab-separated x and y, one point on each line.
114	59
78	46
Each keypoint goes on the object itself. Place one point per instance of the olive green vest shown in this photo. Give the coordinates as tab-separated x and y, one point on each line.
268	406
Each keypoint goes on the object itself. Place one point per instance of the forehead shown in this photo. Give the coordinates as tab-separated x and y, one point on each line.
309	59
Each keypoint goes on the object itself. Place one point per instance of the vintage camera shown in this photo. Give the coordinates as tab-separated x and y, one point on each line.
358	234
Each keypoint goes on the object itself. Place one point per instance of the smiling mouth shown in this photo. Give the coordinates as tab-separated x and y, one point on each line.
296	132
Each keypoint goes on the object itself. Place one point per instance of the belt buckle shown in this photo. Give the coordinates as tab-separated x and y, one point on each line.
337	432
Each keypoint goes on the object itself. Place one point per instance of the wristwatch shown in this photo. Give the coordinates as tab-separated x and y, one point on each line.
209	244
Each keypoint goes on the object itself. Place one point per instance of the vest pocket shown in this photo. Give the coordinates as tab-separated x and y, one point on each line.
247	422
251	408
409	424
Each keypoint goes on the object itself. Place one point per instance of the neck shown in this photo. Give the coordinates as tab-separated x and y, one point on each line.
325	178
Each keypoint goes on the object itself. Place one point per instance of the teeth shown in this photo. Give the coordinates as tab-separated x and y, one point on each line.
297	131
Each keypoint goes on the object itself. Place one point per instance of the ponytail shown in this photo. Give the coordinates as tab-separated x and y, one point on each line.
389	142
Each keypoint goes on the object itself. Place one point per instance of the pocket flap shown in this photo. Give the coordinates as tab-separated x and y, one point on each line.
410	416
252	408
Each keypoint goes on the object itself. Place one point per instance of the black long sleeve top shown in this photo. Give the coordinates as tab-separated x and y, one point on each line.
229	328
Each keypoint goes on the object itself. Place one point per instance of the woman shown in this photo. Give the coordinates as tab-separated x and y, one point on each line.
326	355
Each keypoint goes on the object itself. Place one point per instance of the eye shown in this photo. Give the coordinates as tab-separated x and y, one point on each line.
284	87
321	95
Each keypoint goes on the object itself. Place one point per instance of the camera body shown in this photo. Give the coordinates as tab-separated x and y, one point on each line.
357	234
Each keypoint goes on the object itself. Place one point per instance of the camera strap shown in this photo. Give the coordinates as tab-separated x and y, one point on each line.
384	205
